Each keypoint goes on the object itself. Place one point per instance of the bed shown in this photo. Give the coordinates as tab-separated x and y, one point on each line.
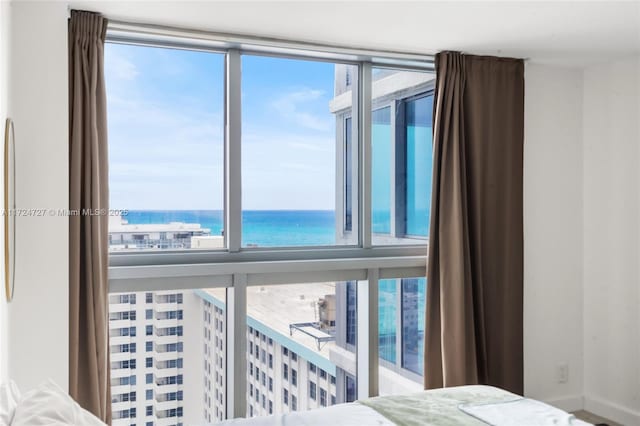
455	406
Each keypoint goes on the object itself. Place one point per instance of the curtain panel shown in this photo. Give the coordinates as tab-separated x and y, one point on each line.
89	381
474	322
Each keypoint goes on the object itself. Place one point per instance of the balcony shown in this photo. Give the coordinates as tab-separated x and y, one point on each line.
120	356
121	307
164	307
161	389
165	340
165	356
116	373
166	372
121	405
120	323
117	390
119	340
166	421
166	322
166	405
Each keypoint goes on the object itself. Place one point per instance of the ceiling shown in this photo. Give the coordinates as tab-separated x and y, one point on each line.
571	33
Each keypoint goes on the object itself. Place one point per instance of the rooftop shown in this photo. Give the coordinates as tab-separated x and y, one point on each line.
278	306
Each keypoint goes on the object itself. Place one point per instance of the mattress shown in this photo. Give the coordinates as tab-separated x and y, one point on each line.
455	406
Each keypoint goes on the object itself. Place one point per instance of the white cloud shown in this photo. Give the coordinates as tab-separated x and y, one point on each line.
291	107
119	67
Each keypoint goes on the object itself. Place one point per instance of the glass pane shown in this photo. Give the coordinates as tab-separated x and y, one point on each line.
157	362
388	324
401	156
296	144
413	317
293	332
166	147
401	334
381	163
419	164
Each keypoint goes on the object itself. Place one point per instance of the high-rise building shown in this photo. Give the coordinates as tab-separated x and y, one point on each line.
147	357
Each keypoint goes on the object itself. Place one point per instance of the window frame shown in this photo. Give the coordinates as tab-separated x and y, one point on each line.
235	267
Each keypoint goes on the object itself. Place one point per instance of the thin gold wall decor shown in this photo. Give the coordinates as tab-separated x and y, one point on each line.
9	209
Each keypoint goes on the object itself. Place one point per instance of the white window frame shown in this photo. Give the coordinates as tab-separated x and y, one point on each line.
236	268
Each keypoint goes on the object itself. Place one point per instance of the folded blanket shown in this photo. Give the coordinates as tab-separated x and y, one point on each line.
519	412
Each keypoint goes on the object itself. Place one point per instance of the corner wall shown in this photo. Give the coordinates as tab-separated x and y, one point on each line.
553	234
38	336
611	234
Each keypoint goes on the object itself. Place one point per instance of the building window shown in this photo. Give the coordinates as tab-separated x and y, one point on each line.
323	397
312	391
350	388
312	367
294	377
285	397
294	403
285	371
149	377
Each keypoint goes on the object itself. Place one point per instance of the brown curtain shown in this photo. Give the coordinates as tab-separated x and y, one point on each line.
473	329
88	233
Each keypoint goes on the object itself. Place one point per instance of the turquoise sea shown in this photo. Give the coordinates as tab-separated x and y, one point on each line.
269	228
259	227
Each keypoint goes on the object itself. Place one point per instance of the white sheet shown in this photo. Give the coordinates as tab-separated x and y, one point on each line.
342	414
520	412
49	405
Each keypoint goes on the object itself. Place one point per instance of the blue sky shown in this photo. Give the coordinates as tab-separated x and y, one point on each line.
165	112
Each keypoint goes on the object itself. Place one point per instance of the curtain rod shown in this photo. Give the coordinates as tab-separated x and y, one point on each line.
120	29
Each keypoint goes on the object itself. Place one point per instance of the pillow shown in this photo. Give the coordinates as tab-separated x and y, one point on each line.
49	405
9	397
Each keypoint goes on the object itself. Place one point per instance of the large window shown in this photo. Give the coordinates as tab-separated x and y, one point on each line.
289	155
401	164
166	147
281	184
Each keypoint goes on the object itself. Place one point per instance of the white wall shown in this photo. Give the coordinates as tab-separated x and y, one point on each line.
5	43
38	337
553	234
611	232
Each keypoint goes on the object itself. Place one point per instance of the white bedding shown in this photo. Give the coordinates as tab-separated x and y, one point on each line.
342	414
521	412
46	405
460	406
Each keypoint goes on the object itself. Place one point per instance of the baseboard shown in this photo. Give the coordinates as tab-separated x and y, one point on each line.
612	411
567	403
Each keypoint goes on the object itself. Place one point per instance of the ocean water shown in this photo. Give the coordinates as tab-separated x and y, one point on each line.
269	228
266	228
